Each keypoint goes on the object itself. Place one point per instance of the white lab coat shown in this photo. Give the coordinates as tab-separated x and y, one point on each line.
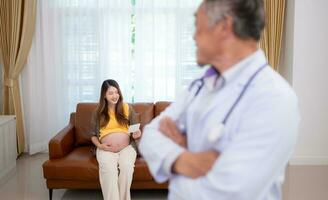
256	143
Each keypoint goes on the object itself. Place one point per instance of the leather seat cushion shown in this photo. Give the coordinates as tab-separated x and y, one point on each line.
141	171
80	164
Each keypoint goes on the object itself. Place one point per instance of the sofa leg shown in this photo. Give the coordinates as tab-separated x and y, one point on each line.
50	194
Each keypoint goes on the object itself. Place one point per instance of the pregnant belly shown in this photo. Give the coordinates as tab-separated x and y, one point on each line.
117	141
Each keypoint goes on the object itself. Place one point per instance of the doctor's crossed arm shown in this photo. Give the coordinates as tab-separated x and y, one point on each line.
163	144
189	164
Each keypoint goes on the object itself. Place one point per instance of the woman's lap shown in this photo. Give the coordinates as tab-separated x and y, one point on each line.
126	157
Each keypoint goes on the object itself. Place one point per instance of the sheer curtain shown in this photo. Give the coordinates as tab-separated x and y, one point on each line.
77	44
165	50
146	45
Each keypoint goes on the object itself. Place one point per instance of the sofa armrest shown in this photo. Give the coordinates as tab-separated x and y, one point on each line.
62	143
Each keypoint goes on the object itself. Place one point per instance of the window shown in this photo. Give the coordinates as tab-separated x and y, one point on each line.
151	52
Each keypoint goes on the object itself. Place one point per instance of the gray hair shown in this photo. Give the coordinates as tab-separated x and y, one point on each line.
248	16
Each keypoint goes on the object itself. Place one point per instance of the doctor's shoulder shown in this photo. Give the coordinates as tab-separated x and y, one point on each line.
273	90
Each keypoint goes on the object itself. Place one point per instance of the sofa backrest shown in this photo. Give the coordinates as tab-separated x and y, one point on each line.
83	127
160	106
145	113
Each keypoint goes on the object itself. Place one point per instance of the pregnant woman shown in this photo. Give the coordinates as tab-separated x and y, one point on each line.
115	154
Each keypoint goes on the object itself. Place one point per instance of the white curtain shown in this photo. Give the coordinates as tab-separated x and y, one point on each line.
165	50
77	45
146	45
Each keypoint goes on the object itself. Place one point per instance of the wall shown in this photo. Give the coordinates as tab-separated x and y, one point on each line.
1	86
304	66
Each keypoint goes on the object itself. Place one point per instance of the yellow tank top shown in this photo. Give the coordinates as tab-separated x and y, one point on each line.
113	126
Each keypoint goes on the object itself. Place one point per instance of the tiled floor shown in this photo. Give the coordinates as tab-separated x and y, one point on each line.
27	183
306	183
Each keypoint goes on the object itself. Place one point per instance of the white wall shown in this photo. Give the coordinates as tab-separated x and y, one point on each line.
286	62
1	87
305	65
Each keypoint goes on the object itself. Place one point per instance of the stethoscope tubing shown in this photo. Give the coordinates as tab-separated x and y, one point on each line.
202	82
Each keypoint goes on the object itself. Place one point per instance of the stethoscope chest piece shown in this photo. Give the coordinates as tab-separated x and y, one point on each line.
215	133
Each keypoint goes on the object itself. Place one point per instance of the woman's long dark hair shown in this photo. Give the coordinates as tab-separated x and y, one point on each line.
102	108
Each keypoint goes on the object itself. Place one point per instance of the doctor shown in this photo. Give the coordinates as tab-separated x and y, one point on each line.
231	134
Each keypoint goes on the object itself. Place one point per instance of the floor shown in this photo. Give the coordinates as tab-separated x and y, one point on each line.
27	183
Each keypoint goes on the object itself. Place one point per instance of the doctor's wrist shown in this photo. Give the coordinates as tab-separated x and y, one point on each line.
180	165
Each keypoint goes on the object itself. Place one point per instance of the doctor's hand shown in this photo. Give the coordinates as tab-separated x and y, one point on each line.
194	165
170	130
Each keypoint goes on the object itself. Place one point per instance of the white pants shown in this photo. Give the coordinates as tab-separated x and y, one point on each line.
115	173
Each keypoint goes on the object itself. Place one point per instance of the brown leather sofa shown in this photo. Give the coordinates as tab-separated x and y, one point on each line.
72	165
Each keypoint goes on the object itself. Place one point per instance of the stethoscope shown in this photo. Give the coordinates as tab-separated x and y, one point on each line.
216	132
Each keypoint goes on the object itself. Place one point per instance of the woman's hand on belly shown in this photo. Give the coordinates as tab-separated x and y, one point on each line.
116	148
116	141
104	147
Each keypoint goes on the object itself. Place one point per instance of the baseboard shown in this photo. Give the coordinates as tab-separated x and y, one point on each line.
309	160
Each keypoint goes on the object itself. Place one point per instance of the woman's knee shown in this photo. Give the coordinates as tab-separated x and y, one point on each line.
126	166
109	172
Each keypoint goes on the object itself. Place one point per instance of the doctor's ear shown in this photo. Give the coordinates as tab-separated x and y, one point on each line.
225	26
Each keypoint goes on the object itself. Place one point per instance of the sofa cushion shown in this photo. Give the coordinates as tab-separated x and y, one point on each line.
83	127
141	171
80	164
